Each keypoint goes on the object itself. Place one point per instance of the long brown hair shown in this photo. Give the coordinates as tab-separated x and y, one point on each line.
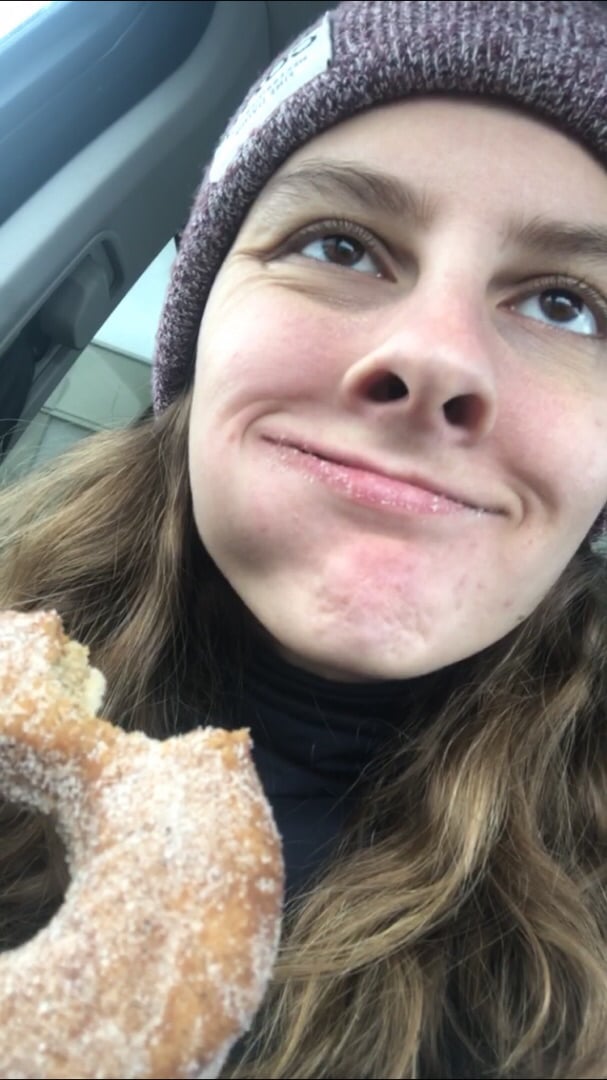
467	903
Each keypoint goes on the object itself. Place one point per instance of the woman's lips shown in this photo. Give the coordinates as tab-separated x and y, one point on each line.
363	483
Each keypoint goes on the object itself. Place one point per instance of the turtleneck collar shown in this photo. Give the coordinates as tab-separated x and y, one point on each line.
313	740
325	729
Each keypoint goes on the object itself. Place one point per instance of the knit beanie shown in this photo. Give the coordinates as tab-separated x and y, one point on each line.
548	57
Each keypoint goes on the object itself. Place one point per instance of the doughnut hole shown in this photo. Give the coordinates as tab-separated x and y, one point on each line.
33	873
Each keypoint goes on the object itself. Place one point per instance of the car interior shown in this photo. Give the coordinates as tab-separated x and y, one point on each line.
109	113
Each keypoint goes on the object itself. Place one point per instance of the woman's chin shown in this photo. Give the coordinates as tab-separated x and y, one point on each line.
357	657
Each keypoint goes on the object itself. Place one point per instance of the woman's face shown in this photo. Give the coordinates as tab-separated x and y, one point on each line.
398	435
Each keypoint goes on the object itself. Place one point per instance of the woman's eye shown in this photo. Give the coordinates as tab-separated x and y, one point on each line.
341	250
566	309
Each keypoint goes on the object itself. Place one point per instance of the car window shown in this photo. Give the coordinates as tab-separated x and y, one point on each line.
109	385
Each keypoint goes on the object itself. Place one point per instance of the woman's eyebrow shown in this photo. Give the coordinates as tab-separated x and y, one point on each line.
363	188
544	236
367	189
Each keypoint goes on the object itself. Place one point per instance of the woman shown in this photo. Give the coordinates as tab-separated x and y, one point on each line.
365	521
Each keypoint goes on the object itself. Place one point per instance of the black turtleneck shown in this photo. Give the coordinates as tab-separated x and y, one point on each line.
312	741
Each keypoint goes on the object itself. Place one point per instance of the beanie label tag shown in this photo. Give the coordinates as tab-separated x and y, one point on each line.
308	57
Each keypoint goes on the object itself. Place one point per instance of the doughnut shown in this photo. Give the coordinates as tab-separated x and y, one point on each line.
162	950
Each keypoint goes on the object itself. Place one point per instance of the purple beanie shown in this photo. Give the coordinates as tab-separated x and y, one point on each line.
547	56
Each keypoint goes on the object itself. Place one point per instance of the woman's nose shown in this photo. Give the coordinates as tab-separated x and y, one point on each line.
432	370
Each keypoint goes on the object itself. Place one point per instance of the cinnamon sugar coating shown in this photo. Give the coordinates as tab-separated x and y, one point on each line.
162	950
